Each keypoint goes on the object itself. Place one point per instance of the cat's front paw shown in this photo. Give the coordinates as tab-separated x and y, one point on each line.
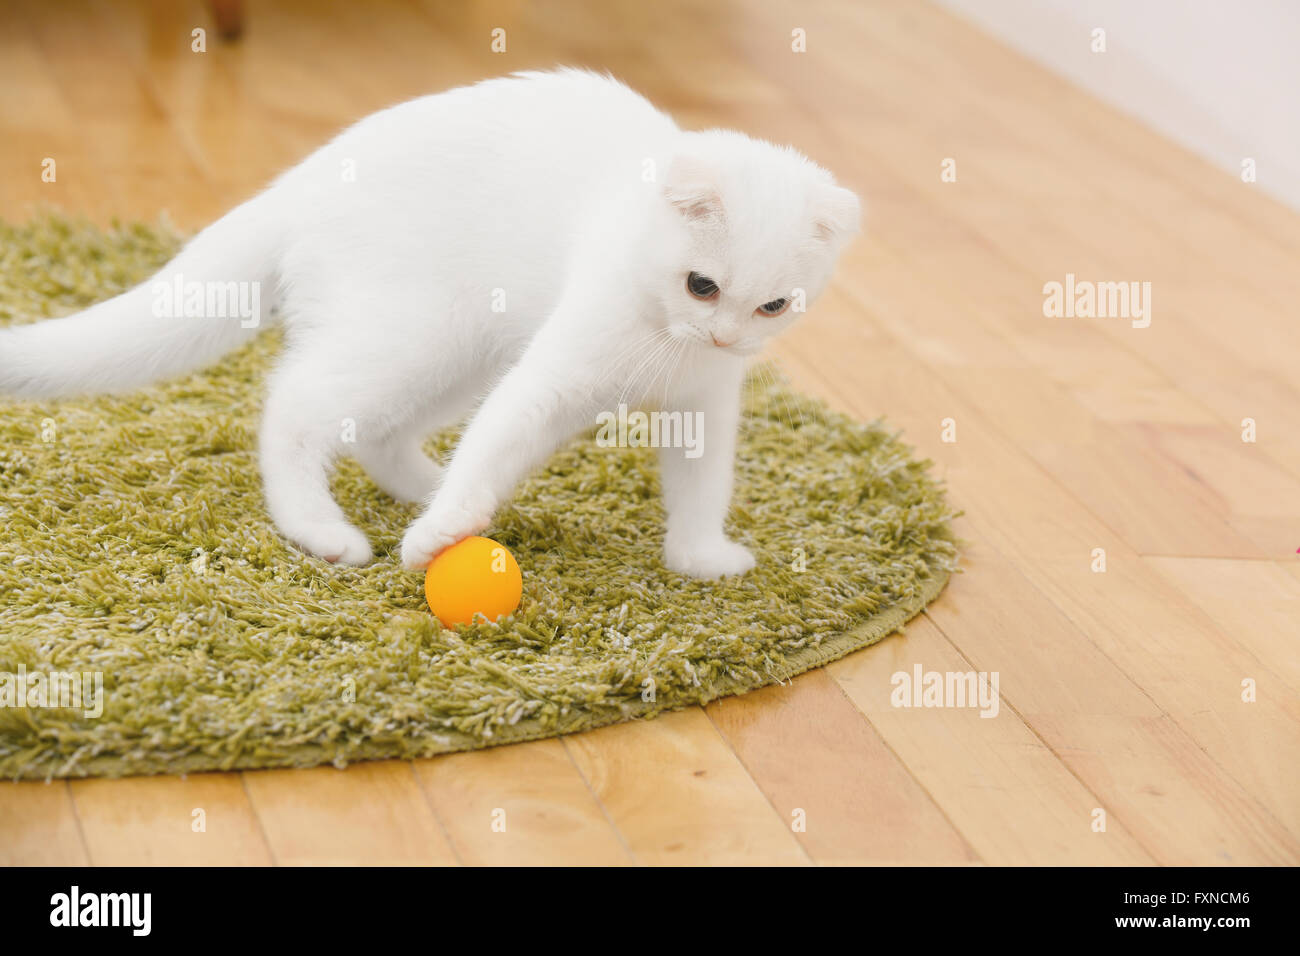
335	541
713	558
441	526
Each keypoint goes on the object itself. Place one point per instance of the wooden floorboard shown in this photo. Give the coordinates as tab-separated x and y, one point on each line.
200	820
520	806
847	796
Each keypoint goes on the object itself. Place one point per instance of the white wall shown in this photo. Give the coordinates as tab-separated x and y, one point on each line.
1221	77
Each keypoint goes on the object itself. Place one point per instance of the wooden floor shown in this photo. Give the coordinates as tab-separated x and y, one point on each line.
1121	691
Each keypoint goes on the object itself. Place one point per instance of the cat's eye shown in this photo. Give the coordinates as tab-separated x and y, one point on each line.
700	286
775	307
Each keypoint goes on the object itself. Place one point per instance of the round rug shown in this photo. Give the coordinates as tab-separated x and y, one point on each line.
136	547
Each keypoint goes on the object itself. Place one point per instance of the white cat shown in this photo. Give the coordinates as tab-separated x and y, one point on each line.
534	249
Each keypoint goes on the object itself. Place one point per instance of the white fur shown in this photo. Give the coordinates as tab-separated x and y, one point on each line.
564	192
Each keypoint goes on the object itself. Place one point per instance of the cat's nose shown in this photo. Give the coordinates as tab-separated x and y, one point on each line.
721	345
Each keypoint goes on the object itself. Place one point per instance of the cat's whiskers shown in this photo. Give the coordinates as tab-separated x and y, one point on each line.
765	380
672	370
617	363
627	350
785	398
645	363
661	364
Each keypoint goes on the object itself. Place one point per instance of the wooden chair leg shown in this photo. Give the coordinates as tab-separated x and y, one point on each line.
229	15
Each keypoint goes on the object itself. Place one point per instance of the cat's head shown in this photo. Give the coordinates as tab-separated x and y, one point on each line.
753	232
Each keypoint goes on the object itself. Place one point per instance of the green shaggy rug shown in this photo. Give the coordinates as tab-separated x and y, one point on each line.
135	546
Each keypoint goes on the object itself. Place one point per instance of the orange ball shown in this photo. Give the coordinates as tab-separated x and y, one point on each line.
474	576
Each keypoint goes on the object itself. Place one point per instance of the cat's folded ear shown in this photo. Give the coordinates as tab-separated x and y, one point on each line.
691	186
836	213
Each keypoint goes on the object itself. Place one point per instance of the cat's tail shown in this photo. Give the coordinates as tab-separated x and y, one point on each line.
214	296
